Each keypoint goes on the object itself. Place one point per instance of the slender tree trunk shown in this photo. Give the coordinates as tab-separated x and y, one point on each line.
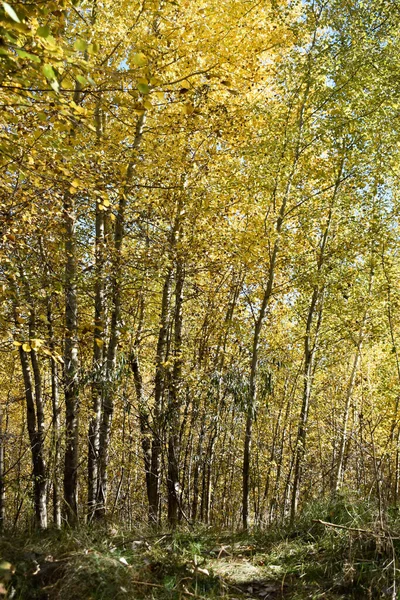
309	356
254	368
143	409
210	464
144	425
273	456
144	417
35	430
349	394
71	365
115	323
281	452
154	503
2	483
196	469
98	343
98	365
186	452
173	484
345	419
56	436
311	346
34	405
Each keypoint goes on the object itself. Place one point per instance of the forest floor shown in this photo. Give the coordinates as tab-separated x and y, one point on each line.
308	560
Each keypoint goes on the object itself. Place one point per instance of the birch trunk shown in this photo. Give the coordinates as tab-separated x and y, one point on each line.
56	425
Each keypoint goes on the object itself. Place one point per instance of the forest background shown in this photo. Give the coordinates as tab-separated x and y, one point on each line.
199	273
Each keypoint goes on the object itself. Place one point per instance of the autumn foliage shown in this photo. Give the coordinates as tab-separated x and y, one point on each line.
199	273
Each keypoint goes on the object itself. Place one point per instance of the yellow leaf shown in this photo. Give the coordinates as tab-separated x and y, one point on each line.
26	347
36	343
139	59
188	108
99	342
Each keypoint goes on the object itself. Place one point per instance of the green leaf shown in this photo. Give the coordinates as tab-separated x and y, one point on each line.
169	582
51	42
48	71
23	54
80	45
10	37
143	88
139	59
11	12
43	31
82	80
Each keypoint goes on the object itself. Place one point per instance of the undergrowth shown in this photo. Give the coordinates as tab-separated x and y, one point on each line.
308	559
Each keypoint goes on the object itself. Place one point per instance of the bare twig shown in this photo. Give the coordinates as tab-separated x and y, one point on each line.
381	533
